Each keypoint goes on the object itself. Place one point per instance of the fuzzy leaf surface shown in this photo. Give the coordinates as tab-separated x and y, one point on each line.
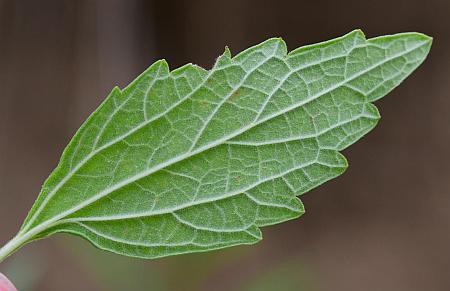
192	160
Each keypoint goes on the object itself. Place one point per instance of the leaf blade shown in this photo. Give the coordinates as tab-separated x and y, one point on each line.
238	143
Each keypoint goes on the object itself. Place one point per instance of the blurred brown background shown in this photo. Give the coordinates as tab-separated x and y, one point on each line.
383	225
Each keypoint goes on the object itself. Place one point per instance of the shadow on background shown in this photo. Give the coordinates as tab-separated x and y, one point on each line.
383	225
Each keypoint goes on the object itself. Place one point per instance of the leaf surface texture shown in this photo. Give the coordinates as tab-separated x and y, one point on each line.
193	160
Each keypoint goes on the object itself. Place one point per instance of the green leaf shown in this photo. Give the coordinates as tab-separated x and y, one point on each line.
193	160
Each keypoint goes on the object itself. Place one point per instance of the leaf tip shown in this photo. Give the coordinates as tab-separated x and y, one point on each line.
358	32
116	90
423	36
227	52
164	65
255	234
224	59
426	39
282	46
341	163
299	208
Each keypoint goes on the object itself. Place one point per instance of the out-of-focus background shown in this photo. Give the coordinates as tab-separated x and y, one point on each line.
383	225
